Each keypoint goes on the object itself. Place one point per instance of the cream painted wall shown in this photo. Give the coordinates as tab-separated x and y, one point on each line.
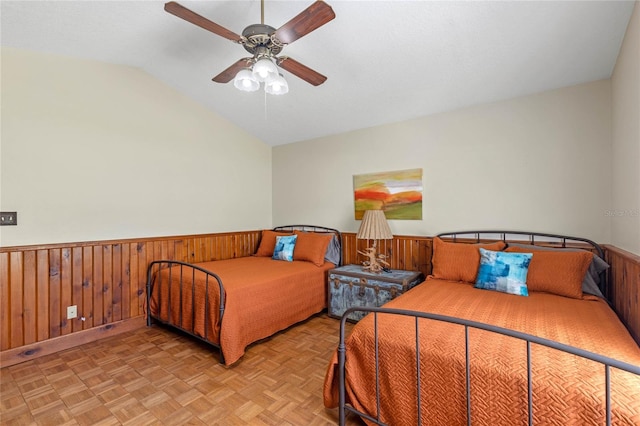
93	151
625	82
540	162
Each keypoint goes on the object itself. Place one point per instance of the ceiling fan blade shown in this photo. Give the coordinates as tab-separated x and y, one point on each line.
302	71
190	16
229	74
312	18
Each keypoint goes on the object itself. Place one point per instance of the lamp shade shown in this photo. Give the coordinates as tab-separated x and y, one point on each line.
374	226
264	69
276	86
245	81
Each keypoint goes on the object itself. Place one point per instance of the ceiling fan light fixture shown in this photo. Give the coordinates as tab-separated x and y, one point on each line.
264	43
264	70
277	86
245	81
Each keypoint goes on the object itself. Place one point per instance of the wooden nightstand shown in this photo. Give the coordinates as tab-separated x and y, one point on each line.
350	286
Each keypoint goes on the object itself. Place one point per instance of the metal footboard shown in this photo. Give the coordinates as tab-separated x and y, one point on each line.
344	408
186	273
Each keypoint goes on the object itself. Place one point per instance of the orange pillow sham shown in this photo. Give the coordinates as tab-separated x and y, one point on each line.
556	272
311	247
459	261
268	242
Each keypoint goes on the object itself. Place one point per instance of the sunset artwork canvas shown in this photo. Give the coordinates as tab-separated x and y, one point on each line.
397	193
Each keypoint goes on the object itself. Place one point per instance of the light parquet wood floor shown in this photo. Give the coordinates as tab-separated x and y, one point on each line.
156	376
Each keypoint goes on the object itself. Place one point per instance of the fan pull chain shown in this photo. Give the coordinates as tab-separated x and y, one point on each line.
266	119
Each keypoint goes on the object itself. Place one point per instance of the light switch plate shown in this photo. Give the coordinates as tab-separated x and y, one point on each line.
8	218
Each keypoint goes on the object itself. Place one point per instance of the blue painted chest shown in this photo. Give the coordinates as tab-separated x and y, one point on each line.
350	286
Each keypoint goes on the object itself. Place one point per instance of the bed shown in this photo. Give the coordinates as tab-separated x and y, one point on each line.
235	302
447	353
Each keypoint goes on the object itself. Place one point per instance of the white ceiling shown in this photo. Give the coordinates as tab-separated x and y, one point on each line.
386	61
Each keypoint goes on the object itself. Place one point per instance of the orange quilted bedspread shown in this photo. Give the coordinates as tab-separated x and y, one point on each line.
567	390
263	296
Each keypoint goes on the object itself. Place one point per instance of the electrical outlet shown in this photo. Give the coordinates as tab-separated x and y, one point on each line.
8	218
72	312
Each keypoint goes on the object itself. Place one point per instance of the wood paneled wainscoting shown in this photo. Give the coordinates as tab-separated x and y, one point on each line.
105	280
403	252
624	285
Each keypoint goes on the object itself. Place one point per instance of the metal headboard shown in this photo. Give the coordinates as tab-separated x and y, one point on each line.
314	228
534	238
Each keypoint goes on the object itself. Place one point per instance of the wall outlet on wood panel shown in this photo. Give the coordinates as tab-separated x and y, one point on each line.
72	312
8	218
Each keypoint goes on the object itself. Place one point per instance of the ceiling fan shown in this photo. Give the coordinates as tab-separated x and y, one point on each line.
265	44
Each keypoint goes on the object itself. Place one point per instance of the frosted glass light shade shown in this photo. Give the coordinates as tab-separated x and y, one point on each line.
276	86
264	70
245	81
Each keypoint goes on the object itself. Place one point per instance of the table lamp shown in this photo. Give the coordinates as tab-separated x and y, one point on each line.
374	227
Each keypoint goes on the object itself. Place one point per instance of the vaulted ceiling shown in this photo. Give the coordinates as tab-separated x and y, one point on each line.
386	61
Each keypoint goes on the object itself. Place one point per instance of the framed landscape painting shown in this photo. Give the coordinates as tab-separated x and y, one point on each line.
397	193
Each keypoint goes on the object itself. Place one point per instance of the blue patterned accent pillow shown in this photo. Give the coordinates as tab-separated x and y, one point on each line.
504	272
284	248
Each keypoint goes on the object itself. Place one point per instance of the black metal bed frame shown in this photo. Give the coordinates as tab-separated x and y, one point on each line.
187	271
606	362
155	267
